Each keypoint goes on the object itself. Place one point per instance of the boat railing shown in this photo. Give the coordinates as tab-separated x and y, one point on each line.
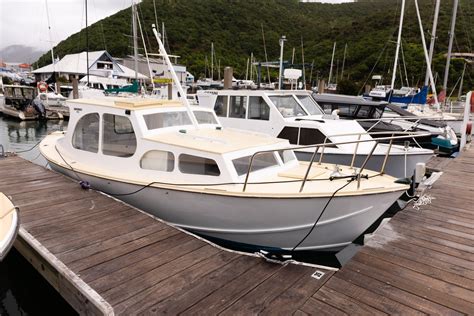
357	175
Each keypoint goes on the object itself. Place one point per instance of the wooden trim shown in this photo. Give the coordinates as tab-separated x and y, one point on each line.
72	288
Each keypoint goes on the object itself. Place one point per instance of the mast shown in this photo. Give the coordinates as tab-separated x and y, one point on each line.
146	53
450	47
433	39
302	61
87	48
332	63
280	74
247	71
135	42
175	78
462	80
428	65
212	61
343	61
399	39
50	38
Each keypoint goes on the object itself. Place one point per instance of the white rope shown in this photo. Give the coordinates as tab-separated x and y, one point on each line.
423	200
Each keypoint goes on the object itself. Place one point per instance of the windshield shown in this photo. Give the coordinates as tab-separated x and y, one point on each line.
261	161
204	117
166	119
310	105
287	106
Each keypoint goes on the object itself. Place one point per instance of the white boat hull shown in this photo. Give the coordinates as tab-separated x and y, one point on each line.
264	223
9	224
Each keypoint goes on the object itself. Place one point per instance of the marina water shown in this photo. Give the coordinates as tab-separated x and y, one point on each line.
23	291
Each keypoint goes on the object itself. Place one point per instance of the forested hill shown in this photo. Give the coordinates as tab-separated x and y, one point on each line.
369	29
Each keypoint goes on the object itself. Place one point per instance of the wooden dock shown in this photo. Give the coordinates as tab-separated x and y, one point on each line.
105	257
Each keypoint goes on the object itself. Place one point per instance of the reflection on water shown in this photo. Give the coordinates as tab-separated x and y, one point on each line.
23	291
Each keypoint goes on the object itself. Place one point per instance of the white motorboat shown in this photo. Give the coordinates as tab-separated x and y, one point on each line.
294	115
9	224
148	153
178	163
19	102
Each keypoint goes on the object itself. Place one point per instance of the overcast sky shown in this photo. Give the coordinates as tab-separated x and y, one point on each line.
25	22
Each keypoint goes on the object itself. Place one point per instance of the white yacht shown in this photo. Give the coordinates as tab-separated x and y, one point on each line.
9	224
294	115
178	163
148	153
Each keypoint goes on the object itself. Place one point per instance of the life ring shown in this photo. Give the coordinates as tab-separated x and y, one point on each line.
472	102
468	128
42	86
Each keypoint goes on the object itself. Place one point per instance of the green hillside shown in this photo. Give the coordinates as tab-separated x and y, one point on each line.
368	27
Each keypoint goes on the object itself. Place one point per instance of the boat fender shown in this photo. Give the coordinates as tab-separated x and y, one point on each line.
469	127
39	107
85	185
403	181
42	86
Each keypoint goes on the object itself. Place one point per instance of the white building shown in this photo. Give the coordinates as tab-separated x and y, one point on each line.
100	64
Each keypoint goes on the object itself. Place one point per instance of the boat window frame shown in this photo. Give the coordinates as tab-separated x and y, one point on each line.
206	160
169	167
99	132
119	154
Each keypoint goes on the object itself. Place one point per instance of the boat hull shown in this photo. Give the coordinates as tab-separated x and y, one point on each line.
265	223
9	225
395	165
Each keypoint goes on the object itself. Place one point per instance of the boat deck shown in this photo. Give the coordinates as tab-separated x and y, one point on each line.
105	257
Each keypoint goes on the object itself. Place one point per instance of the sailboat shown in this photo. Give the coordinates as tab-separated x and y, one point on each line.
9	224
178	163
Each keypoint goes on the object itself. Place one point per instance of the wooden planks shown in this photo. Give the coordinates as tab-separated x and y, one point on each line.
105	257
420	262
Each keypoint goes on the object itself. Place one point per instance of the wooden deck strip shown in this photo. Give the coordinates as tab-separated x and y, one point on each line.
421	262
134	261
422	259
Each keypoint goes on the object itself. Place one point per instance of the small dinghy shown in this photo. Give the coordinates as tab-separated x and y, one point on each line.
9	224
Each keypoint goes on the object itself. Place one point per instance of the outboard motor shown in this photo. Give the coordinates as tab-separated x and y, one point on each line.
39	107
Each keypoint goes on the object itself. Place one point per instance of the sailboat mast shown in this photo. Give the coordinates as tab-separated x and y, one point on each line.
450	47
433	39
87	48
332	62
280	74
135	41
399	40
343	61
428	65
50	38
212	61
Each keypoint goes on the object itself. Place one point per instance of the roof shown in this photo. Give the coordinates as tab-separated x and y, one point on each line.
128	103
218	141
77	64
346	99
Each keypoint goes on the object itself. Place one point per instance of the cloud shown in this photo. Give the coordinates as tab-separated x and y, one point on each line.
25	22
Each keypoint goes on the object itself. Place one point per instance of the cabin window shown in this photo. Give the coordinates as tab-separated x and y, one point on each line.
86	134
204	117
287	106
261	161
378	112
258	109
363	112
166	119
290	133
158	160
118	137
198	165
312	136
309	104
238	106
220	107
